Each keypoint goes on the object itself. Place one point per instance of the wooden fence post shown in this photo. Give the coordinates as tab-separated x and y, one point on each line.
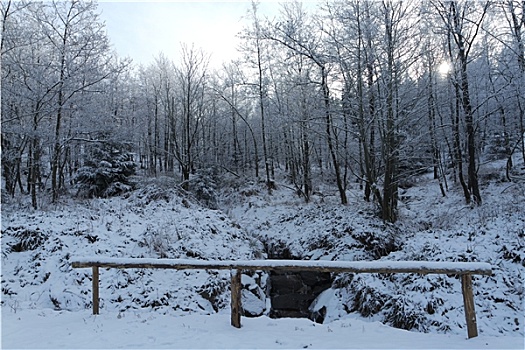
236	298
95	290
468	302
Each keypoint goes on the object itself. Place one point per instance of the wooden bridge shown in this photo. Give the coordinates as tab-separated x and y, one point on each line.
464	269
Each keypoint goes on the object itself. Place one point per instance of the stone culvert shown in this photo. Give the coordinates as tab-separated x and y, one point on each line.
292	293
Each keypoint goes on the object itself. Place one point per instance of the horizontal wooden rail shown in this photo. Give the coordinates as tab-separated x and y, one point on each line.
465	269
421	267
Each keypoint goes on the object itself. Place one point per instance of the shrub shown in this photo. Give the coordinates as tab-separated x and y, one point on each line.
158	242
214	291
367	301
400	313
378	244
203	185
26	239
107	172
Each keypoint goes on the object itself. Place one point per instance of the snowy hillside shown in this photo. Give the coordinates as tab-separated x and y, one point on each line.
154	222
431	227
158	221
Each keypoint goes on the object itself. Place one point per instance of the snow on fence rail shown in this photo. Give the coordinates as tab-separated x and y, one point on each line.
465	269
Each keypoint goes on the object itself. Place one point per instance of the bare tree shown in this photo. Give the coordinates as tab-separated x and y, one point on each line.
191	75
257	58
303	41
463	20
233	93
514	12
79	45
376	51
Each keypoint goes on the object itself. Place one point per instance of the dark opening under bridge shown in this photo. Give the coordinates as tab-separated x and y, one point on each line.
464	269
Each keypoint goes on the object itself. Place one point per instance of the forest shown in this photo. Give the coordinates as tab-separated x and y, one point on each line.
368	92
359	131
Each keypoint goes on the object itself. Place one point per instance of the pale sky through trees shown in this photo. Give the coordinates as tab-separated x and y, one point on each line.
141	30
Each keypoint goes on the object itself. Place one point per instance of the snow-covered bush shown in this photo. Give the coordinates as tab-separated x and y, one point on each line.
203	185
151	192
215	291
158	241
24	239
377	243
106	173
367	300
401	313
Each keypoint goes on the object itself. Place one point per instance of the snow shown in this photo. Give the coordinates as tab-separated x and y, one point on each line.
156	308
143	329
430	228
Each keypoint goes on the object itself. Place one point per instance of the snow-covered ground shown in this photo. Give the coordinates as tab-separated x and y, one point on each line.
431	227
144	329
152	222
46	303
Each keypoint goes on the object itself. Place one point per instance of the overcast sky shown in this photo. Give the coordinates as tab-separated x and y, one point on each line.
141	30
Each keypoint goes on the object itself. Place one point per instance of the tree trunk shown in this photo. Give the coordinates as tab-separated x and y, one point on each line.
457	147
389	203
269	181
432	124
331	146
57	147
469	118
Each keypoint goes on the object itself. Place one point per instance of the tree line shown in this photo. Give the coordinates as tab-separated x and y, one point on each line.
366	91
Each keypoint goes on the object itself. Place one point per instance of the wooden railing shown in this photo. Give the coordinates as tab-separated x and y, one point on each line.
464	269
